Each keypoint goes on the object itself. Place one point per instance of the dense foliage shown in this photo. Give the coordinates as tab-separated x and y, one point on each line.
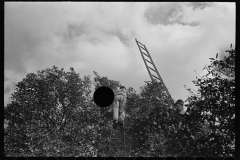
48	115
215	107
53	114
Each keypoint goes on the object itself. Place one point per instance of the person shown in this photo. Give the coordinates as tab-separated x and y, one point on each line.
179	105
118	107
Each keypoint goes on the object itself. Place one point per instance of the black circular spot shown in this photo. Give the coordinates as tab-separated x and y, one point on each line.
103	96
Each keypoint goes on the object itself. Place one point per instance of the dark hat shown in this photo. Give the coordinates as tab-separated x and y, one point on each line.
122	87
180	102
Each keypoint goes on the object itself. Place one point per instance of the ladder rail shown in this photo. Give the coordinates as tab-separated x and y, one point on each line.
124	143
143	48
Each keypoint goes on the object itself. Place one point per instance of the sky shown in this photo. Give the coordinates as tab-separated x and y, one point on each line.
100	36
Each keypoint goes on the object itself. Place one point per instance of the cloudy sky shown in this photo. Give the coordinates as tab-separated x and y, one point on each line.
100	36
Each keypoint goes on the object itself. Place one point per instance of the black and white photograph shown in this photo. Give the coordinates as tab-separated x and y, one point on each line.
119	79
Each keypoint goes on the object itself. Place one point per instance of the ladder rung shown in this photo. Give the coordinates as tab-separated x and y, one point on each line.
156	77
117	146
152	69
117	138
144	53
115	135
148	60
123	147
143	48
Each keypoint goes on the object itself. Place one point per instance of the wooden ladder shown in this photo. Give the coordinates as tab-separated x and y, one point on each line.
149	62
117	142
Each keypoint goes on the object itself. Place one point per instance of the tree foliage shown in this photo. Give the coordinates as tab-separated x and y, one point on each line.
47	115
214	108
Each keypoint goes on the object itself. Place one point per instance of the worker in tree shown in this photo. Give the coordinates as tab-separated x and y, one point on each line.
179	105
118	107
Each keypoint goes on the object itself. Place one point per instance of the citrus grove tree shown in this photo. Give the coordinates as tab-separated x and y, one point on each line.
212	109
147	111
50	115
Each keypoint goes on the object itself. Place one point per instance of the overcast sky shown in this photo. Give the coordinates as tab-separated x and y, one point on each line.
100	36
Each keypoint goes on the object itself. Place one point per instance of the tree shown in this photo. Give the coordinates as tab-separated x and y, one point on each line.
47	112
214	108
151	117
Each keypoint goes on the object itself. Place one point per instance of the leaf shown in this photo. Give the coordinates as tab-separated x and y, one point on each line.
217	55
231	45
212	58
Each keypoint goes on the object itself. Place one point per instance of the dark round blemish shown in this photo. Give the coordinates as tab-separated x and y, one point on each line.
103	96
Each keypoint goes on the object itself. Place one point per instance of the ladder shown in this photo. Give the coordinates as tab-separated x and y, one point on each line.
117	142
157	78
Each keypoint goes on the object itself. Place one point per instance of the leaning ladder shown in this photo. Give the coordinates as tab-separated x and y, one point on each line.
117	142
144	52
